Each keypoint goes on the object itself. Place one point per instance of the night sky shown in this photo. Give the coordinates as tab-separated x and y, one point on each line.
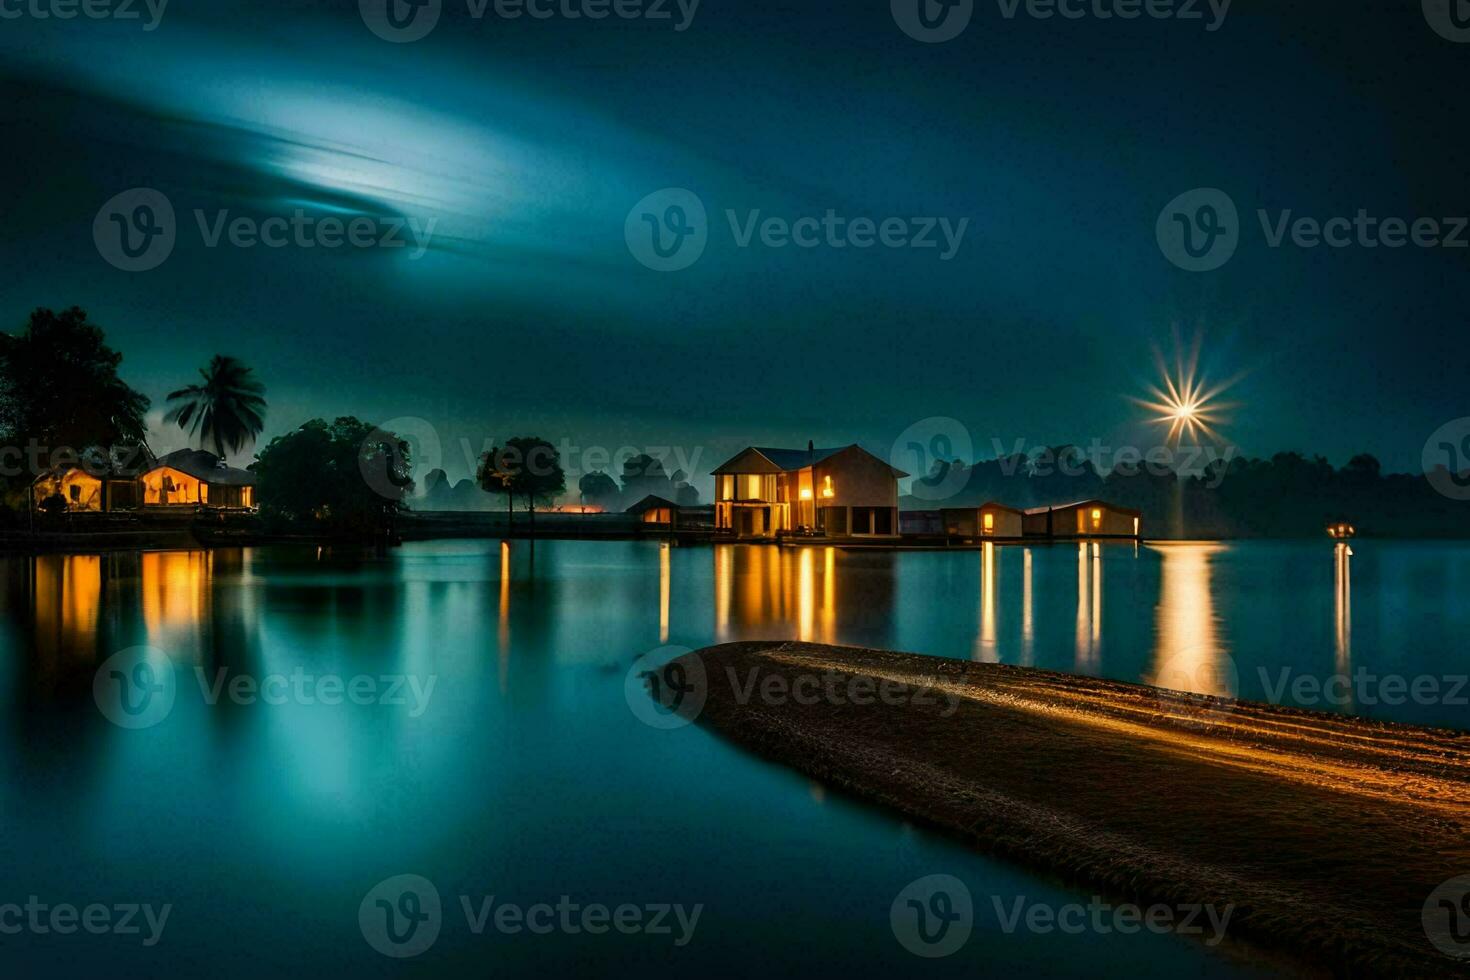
527	142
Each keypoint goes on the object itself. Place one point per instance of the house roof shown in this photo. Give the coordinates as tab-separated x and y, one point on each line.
651	502
790	460
205	467
1086	503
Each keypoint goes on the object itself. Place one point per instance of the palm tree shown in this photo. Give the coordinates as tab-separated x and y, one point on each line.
228	410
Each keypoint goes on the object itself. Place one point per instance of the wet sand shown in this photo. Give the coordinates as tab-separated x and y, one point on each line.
1326	833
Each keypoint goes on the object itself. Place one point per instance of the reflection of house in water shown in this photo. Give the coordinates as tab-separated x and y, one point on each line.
801	593
174	589
1089	606
66	600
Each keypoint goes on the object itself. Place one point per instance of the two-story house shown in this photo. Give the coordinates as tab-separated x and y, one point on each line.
837	493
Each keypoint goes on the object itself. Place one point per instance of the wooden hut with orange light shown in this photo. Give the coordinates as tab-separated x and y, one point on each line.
193	478
87	489
989	522
1083	519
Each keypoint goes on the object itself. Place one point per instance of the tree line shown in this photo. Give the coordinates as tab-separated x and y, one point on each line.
1288	495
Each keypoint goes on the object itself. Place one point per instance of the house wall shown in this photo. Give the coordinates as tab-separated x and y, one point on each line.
1072	522
857	480
969	522
1007	523
185	488
82	491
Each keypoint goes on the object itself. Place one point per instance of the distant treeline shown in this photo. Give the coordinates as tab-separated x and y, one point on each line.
1288	495
641	476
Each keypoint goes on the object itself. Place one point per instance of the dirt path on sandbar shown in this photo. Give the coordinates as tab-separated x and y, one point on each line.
1327	834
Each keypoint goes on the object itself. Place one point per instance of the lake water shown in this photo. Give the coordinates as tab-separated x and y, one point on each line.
524	774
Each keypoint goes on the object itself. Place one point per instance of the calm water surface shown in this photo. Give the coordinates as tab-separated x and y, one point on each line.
527	777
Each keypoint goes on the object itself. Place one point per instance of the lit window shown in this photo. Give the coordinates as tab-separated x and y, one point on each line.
1096	517
806	493
989	522
827	486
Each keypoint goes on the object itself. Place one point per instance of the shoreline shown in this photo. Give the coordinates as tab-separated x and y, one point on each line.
189	537
1326	833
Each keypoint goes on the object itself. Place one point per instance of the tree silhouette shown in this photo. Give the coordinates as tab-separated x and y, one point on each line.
228	410
345	475
527	466
598	488
59	388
